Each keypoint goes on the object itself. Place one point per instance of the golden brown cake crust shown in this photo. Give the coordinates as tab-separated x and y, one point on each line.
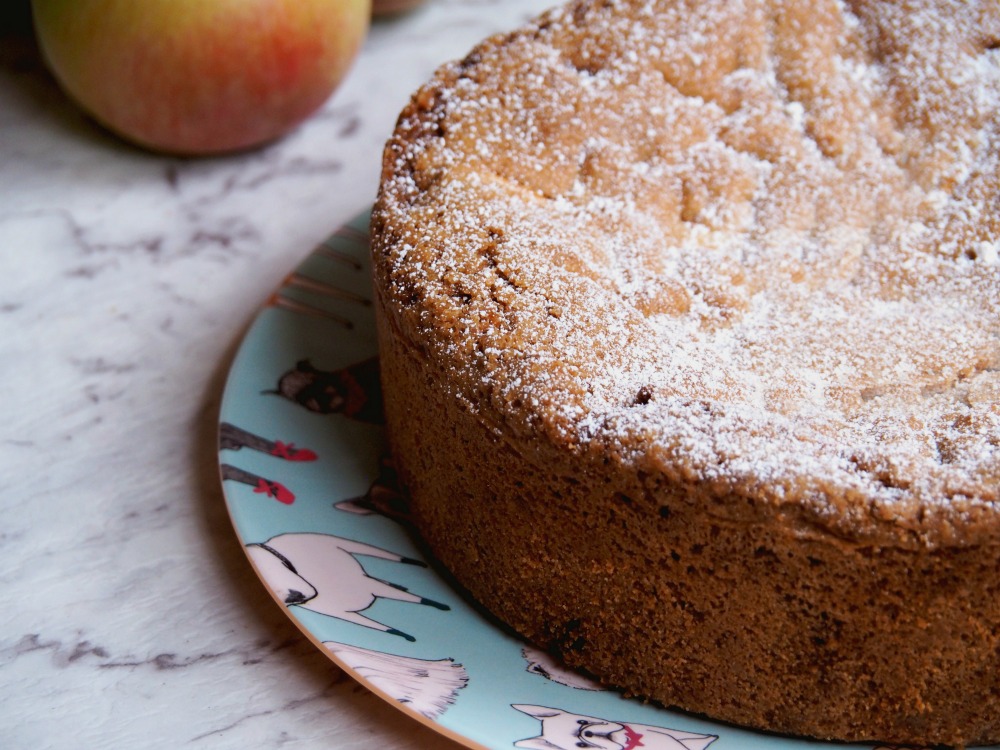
715	286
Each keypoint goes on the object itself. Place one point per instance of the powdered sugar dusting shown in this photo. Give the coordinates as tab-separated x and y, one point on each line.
747	243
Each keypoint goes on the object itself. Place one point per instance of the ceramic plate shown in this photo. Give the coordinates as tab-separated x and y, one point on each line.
301	457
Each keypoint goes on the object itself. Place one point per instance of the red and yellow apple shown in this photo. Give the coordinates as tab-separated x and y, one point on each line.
200	76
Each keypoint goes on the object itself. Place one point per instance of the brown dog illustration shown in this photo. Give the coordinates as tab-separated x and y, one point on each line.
354	391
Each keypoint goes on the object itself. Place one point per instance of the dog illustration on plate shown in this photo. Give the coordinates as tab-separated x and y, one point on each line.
353	391
427	686
384	497
321	573
563	730
545	665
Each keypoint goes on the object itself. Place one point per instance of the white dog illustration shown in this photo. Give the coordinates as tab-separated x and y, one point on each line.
428	687
543	664
319	572
562	730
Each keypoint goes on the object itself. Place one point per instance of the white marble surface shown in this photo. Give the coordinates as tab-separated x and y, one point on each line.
130	617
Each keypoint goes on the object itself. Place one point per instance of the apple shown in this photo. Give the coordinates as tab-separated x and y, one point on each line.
200	76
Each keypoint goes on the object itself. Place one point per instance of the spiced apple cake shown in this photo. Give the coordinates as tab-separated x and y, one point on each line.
689	318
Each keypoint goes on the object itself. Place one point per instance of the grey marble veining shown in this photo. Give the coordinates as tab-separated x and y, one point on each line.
130	616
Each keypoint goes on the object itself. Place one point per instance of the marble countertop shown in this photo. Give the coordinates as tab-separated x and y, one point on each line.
131	617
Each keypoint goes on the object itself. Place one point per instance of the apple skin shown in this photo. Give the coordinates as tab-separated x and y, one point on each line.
200	76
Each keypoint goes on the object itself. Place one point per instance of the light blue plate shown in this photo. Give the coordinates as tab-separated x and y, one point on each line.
301	455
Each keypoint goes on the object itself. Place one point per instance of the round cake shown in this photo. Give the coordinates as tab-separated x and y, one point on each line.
689	319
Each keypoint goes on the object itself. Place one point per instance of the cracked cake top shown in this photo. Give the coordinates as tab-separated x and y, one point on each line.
746	244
